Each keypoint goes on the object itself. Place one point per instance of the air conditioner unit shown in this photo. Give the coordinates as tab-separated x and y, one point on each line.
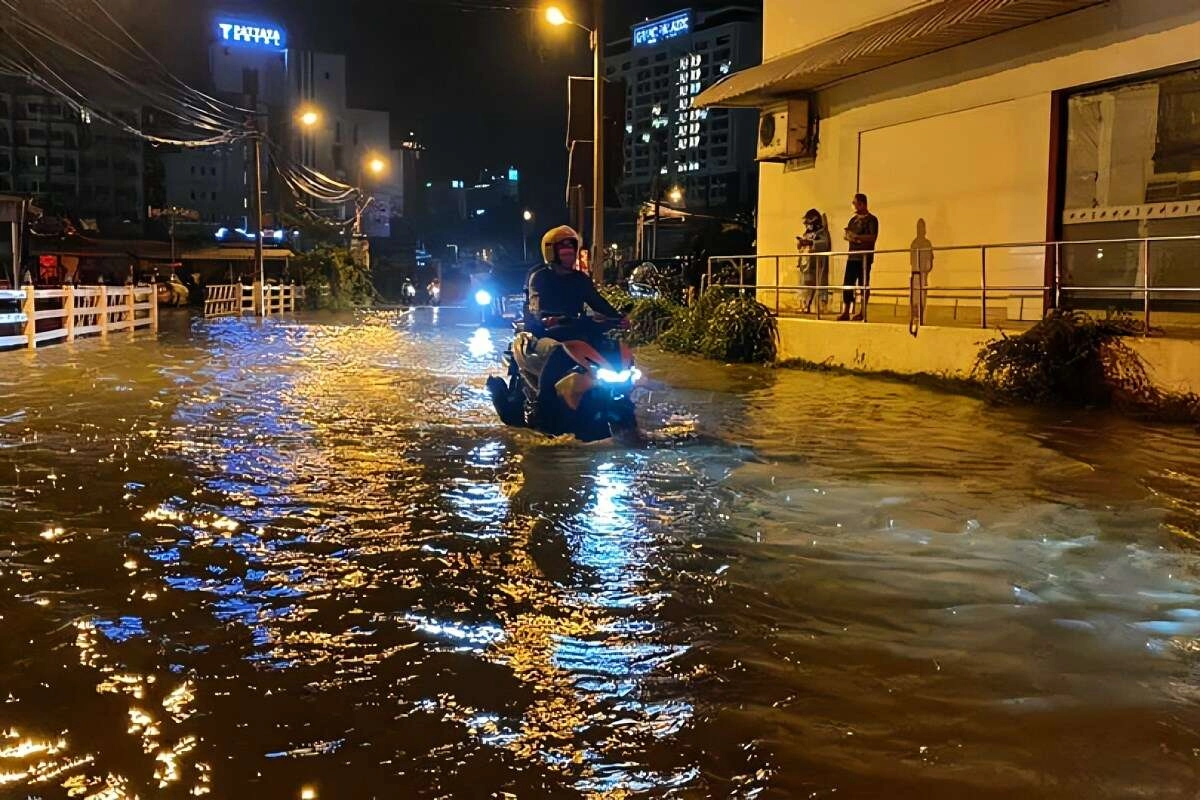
784	132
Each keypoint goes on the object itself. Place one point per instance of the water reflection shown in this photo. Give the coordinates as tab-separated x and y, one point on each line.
310	561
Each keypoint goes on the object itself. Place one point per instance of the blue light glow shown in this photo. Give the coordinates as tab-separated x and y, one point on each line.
251	34
483	297
659	30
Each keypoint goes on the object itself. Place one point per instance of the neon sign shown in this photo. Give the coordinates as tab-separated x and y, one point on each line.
244	33
659	30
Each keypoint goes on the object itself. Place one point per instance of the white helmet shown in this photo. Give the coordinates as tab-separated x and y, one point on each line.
553	238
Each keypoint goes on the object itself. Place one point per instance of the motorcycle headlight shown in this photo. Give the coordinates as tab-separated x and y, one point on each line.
483	297
605	375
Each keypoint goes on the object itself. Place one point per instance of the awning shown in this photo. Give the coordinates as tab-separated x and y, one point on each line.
925	30
233	254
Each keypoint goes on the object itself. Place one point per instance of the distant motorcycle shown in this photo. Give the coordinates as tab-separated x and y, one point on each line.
593	400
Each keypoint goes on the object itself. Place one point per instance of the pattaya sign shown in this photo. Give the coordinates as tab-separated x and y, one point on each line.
658	30
251	34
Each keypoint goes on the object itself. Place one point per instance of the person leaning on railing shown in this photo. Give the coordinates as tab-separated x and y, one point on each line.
861	232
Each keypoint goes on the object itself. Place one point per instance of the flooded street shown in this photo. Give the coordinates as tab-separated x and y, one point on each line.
302	558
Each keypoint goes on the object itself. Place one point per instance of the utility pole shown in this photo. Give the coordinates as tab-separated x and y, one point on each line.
597	251
258	215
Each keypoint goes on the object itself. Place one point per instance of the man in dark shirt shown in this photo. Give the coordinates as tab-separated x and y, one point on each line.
861	232
557	288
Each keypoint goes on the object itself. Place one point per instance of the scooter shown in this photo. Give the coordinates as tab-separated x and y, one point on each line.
593	398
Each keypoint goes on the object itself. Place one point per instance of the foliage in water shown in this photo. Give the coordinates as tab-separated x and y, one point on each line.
332	280
1076	359
724	326
651	318
618	297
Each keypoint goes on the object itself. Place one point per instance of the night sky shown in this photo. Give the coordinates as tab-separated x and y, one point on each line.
481	87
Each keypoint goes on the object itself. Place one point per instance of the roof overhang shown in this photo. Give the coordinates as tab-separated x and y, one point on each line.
924	30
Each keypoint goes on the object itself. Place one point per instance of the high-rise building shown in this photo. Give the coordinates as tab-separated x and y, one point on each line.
253	65
66	160
665	63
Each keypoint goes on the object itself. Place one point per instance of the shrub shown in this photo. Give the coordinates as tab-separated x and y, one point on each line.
741	329
651	318
332	280
724	326
618	297
1074	359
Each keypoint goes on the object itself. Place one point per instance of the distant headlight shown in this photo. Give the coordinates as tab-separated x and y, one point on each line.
483	297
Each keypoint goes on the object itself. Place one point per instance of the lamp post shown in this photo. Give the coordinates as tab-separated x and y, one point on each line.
555	16
376	166
526	218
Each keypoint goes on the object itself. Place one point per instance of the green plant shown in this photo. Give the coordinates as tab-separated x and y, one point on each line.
740	329
685	334
618	297
651	318
1074	359
332	279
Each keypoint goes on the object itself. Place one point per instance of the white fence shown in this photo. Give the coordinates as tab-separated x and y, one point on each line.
75	311
235	299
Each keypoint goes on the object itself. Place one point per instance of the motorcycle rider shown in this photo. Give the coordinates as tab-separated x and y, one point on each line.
558	289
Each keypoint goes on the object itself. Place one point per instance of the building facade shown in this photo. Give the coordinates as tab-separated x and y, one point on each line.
342	143
995	122
63	160
664	64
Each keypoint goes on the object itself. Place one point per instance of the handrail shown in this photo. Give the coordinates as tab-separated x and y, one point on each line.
952	247
1052	294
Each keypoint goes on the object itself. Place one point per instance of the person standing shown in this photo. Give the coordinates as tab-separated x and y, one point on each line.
814	268
861	232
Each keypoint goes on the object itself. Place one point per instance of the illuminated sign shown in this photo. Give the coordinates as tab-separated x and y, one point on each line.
251	34
659	30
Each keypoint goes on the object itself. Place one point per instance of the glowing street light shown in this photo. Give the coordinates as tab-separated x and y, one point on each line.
675	195
528	217
377	165
309	118
556	17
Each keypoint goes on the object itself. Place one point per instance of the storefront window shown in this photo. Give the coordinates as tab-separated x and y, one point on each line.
1133	172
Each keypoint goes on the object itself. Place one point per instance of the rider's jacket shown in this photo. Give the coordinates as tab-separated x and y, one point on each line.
551	292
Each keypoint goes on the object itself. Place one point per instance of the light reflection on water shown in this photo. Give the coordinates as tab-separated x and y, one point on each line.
303	554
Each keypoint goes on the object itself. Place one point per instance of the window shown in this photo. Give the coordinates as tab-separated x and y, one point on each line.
193	169
1128	146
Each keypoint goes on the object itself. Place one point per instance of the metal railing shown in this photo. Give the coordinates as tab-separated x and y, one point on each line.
75	311
980	276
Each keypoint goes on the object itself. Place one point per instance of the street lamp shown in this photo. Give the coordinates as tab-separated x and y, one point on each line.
675	195
376	166
526	217
556	17
309	117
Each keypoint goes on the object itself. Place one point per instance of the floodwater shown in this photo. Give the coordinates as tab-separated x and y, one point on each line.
301	559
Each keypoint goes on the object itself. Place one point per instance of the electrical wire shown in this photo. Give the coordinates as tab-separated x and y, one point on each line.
198	119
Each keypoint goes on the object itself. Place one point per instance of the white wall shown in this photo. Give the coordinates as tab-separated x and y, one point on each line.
960	138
